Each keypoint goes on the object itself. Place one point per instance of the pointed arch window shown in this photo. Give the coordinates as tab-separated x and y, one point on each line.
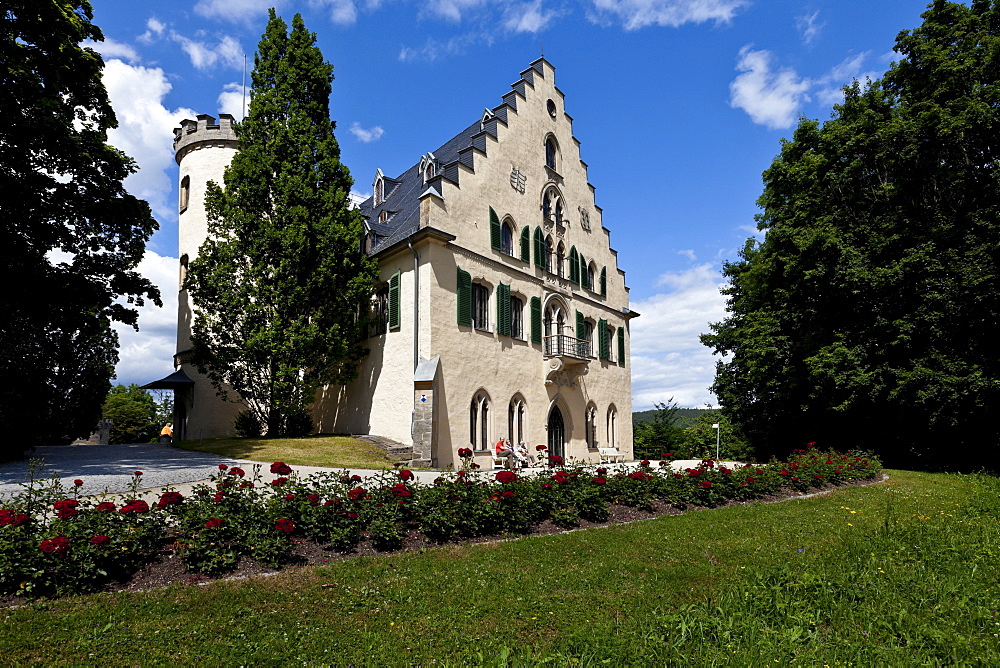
592	427
516	414
479	422
551	152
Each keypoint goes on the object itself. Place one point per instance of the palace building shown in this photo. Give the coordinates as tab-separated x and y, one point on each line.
502	311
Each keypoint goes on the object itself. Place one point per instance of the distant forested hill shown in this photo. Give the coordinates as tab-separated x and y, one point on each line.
685	416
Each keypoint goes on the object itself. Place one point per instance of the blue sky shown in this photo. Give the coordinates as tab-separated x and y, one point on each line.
679	106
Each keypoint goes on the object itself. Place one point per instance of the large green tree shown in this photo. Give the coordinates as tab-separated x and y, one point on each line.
869	313
280	285
133	415
72	236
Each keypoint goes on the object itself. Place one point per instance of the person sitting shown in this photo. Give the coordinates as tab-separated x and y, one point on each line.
504	451
526	457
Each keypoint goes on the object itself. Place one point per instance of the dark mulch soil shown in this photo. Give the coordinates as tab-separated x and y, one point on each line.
167	568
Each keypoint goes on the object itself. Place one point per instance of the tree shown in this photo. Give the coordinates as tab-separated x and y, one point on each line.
650	440
133	415
699	440
71	235
280	285
868	313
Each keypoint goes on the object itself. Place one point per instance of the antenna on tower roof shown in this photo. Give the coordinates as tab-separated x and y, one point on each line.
542	46
244	86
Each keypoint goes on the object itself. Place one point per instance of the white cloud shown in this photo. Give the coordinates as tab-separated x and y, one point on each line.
808	27
451	10
668	360
231	99
528	17
242	11
771	97
342	12
433	49
369	135
689	254
204	56
154	30
830	85
635	14
137	93
147	355
109	48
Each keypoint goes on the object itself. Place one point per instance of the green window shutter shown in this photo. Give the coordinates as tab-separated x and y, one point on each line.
604	281
526	244
574	266
394	301
536	319
621	346
583	273
464	298
581	326
603	347
539	248
494	230
503	309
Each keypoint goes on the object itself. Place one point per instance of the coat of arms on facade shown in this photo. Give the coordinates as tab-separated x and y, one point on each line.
584	219
518	179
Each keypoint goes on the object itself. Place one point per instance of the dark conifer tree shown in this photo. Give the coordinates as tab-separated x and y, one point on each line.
280	286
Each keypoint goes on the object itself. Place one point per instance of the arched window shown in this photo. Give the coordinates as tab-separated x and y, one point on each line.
559	212
429	172
479	420
553	326
612	427
561	259
589	276
516	317
588	335
383	216
183	274
480	306
379	187
516	415
185	193
591	426
551	152
507	238
548	253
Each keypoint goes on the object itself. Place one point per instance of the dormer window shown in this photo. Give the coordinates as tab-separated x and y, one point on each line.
383	216
379	187
428	166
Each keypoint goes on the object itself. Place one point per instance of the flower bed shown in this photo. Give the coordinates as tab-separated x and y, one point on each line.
53	541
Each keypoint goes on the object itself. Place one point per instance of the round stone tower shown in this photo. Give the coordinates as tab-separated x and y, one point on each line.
203	149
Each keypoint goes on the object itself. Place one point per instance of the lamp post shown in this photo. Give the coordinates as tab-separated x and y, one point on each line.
717	439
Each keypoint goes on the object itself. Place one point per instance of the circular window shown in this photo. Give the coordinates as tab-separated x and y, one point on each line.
551	106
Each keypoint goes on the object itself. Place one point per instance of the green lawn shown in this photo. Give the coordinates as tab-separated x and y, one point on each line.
898	573
334	451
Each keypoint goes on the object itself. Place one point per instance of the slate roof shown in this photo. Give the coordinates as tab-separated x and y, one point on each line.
402	194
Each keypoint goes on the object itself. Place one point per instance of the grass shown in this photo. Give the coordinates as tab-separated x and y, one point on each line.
333	451
898	573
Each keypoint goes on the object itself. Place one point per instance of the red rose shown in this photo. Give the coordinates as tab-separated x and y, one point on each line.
58	545
508	494
246	484
400	490
639	475
8	518
461	474
506	476
644	462
705	484
784	472
405	475
213	523
66	508
289	497
555	459
602	471
663	463
546	485
357	493
280	468
169	499
355	478
313	498
219	496
237	471
817	476
100	540
138	473
668	455
598	480
278	482
78	483
223	467
285	525
540	448
106	507
135	506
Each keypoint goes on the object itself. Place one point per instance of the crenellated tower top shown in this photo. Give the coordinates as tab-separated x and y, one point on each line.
204	133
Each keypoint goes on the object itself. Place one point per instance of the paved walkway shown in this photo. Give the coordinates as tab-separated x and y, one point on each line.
108	469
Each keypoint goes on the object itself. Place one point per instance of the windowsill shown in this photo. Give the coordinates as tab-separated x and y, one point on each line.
482	329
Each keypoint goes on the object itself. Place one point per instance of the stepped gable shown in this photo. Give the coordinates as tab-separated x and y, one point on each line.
403	194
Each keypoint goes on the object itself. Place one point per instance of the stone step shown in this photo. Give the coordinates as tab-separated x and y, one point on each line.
396	451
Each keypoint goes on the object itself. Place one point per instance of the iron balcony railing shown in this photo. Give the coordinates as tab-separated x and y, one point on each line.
560	345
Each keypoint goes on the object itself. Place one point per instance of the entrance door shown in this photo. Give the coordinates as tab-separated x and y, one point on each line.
557	433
